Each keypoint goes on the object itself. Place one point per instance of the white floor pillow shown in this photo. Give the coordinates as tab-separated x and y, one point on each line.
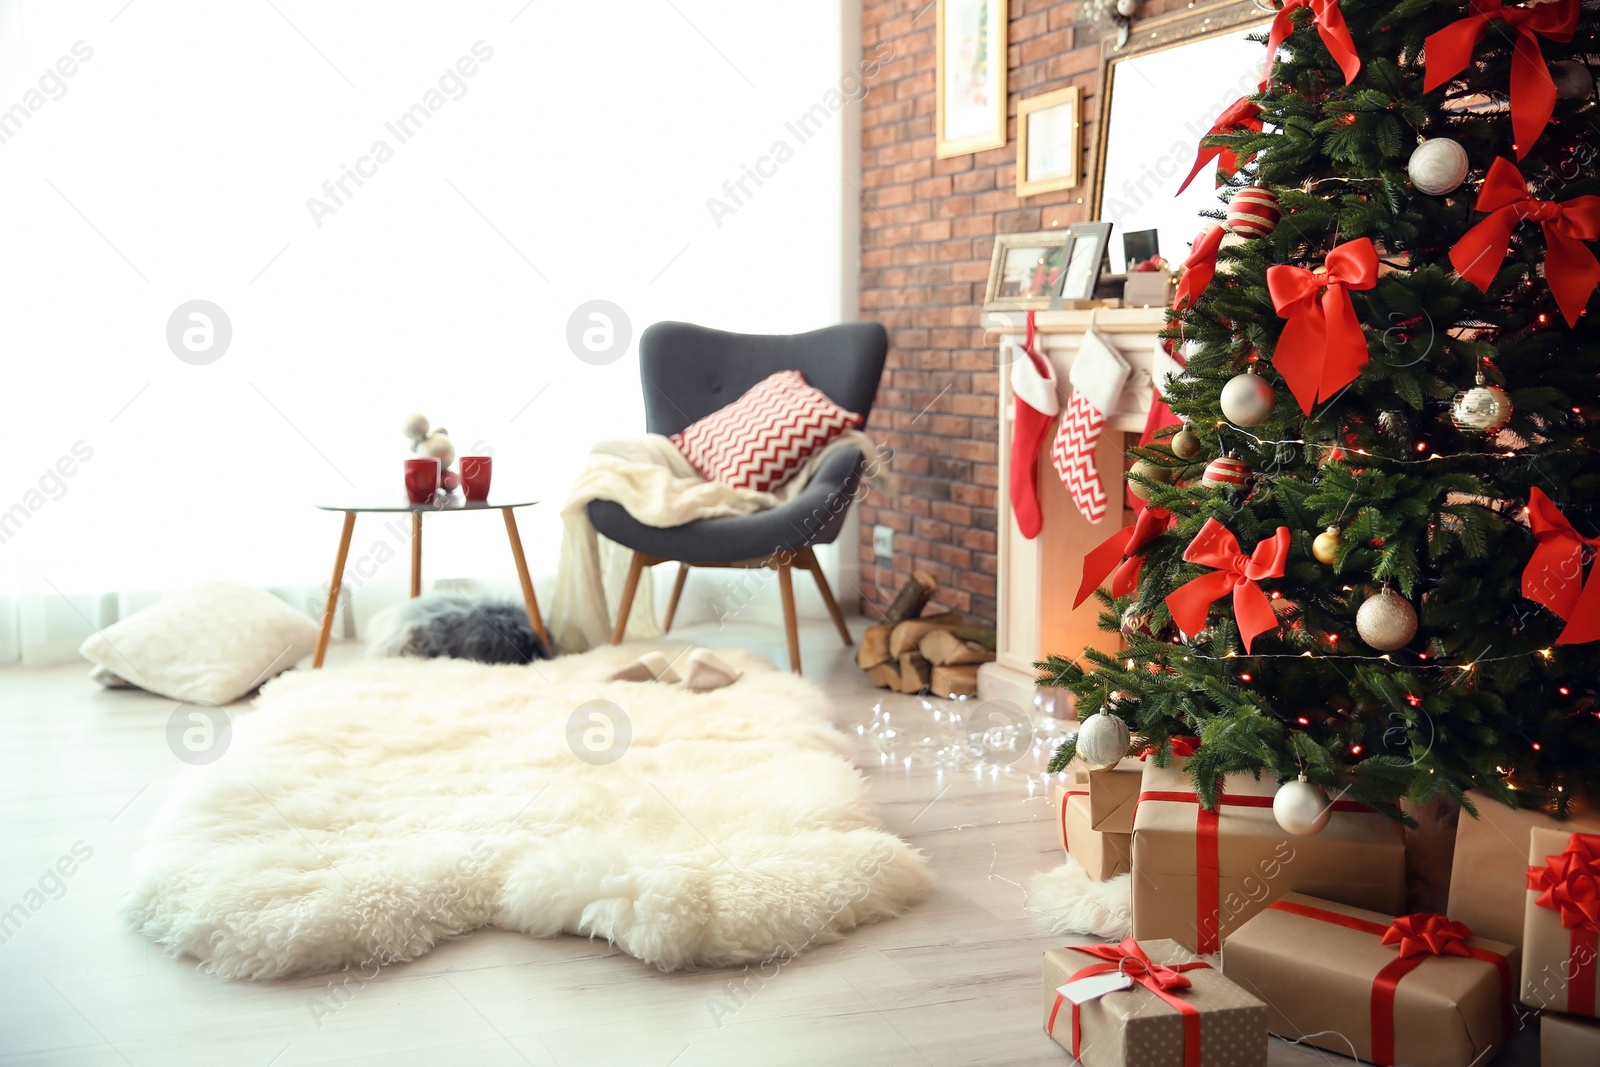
211	643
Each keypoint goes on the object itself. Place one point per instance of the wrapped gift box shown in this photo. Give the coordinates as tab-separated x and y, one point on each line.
1561	922
1568	1042
1113	796
1073	782
1103	855
1489	881
1199	874
1209	1023
1331	981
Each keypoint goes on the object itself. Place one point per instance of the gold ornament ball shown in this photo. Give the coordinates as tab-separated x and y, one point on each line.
1185	444
1387	621
1326	546
1147	470
1301	808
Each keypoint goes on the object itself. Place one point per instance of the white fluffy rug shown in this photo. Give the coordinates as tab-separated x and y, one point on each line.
1067	901
363	814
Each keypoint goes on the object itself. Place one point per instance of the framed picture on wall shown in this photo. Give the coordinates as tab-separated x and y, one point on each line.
970	76
1049	141
1086	248
1026	270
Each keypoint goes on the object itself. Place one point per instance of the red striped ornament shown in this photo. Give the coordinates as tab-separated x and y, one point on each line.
1226	471
1254	212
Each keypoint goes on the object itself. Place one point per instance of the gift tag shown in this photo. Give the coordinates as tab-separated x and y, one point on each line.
1097	985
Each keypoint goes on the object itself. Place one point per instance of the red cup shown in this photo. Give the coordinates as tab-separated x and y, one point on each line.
422	479
475	473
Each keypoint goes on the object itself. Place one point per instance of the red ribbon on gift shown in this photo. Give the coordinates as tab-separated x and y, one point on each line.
1183	747
1130	959
1121	555
1322	348
1199	268
1554	573
1569	267
1330	27
1533	92
1420	937
1569	885
1066	798
1240	116
1215	546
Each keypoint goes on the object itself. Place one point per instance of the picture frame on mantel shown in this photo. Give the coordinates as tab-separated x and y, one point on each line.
1050	141
970	53
1025	270
1086	251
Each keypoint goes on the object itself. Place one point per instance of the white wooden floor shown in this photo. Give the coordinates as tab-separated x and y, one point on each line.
956	981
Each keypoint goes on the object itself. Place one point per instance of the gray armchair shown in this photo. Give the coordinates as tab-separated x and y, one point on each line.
688	372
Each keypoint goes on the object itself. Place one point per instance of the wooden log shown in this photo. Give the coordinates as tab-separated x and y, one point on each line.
915	673
874	647
944	649
911	599
885	675
904	638
955	681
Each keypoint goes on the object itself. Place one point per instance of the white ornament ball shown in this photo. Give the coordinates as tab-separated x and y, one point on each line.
1301	808
1574	80
415	427
1247	400
1386	621
1126	8
1102	741
1482	409
439	447
1438	166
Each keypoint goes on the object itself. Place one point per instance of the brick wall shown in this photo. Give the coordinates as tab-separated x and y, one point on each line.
927	230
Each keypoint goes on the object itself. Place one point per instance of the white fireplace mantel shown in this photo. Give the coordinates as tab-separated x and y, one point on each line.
1038	578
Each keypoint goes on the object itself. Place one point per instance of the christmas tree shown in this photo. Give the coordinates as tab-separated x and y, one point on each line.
1364	556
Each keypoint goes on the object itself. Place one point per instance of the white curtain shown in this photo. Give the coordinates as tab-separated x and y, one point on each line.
398	207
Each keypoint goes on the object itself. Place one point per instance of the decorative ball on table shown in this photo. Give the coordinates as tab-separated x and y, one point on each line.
1386	621
1482	409
415	427
1574	80
1226	472
1102	741
437	444
1186	443
1438	166
1254	212
1300	807
1149	471
1247	400
1325	548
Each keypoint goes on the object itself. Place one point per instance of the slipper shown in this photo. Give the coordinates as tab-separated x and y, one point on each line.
650	667
707	670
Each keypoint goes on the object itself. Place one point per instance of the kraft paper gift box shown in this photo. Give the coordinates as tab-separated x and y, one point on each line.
1330	980
1073	782
1103	855
1561	922
1568	1042
1197	874
1489	876
1209	1022
1113	796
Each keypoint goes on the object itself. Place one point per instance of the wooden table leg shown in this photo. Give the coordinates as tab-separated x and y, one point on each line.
791	625
333	590
535	619
416	554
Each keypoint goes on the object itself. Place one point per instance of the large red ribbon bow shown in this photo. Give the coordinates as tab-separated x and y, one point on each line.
1200	267
1121	555
1330	27
1533	92
1183	746
1428	934
1322	348
1242	115
1130	959
1569	883
1215	546
1569	267
1553	575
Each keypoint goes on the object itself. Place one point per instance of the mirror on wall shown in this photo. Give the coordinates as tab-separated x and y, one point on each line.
1159	100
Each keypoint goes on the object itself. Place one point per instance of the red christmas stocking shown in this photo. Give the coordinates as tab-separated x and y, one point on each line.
1097	376
1033	390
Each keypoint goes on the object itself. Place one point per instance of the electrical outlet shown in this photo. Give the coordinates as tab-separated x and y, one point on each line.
883	542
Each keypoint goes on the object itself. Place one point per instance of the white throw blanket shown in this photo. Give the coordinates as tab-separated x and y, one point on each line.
652	480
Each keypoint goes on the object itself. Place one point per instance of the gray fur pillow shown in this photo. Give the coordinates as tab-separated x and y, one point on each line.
453	626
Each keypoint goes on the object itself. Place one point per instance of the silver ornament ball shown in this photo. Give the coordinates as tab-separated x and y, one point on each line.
1247	400
1102	741
1386	621
1482	409
1301	808
1438	166
1574	80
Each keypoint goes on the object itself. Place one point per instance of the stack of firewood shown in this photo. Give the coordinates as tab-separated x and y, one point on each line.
913	653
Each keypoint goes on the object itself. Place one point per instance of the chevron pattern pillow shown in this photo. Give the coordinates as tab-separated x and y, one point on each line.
760	440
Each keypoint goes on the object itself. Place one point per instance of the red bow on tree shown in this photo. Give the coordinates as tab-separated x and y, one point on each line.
1121	555
1554	573
1427	934
1569	267
1242	115
1533	92
1570	883
1199	268
1322	348
1330	27
1215	546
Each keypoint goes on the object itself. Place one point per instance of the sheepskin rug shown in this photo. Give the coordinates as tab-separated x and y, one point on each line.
1067	901
363	814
